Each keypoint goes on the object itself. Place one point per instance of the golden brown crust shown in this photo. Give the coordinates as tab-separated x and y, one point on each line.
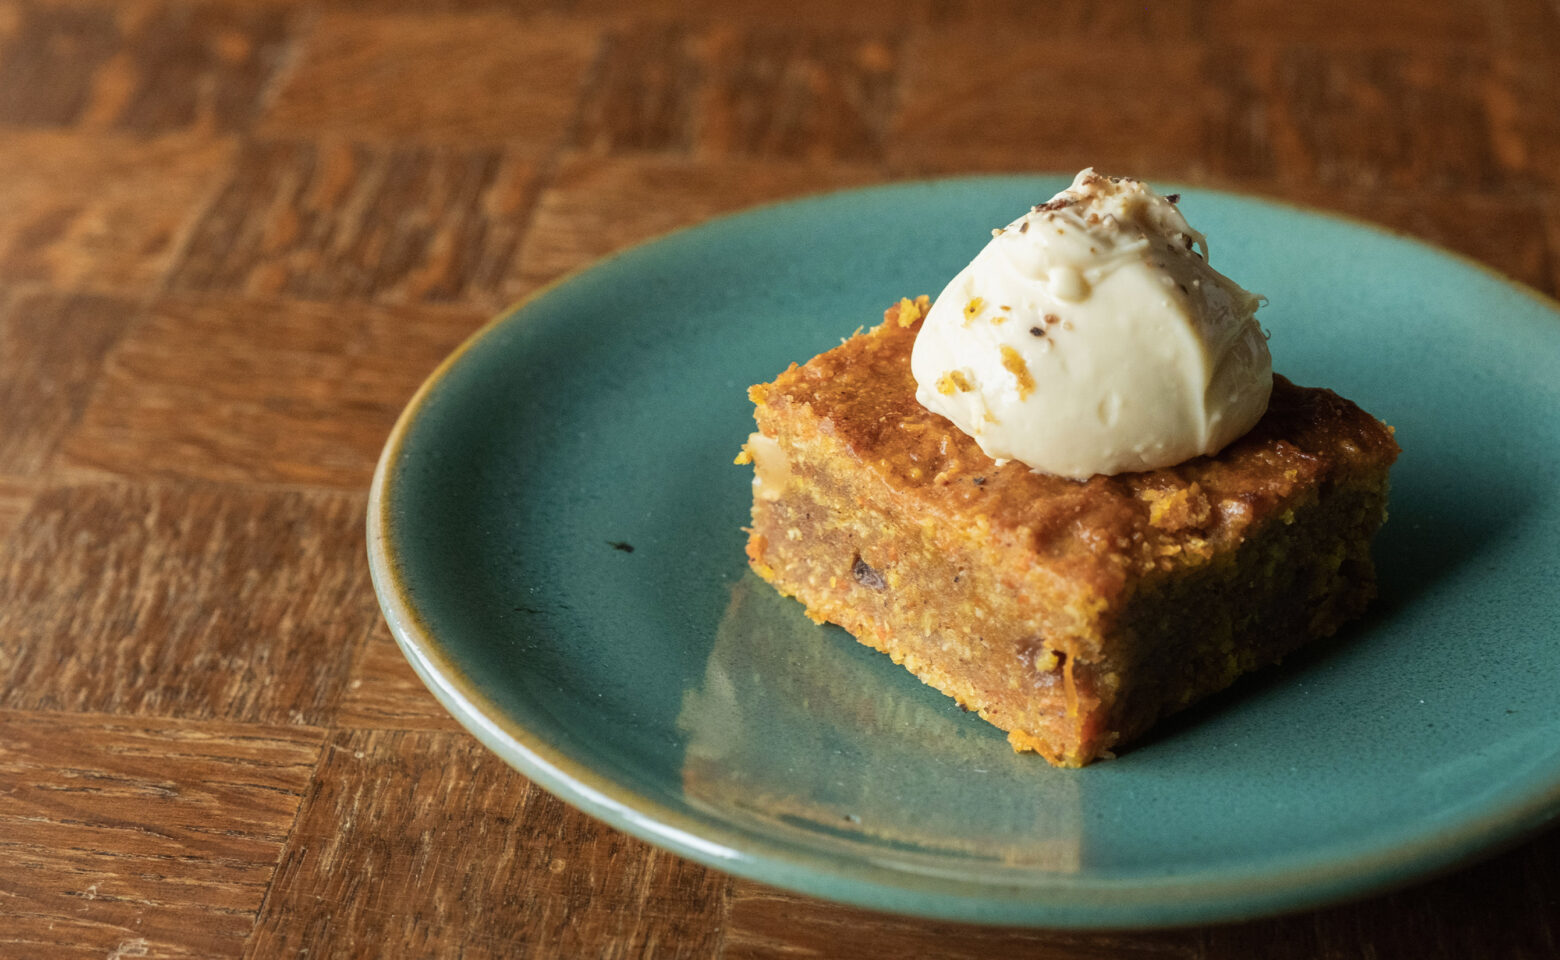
1071	614
1103	530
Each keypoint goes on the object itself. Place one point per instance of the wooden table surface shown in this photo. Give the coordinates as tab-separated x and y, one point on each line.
235	236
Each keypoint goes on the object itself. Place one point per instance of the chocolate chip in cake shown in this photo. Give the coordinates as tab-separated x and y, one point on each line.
866	576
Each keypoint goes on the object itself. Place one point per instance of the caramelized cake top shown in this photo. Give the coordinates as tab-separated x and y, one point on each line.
1107	530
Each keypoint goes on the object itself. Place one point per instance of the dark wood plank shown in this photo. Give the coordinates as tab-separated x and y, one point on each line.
1395	118
730	90
1526	127
644	94
1552	221
978	99
1507	909
829	15
385	694
348	221
485	78
428	842
1067	21
141	67
769	924
66	43
788	93
16	497
1345	23
1526	31
825	14
1331	23
51	351
141	837
260	390
546	10
100	212
598	205
191	602
1384	119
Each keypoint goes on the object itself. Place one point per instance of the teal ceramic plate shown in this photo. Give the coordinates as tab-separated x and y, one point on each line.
555	538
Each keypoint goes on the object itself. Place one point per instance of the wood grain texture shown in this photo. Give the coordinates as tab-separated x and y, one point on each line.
1161	110
1524	94
16	497
1552	222
336	220
481	78
768	924
67	44
1377	119
549	10
645	92
383	854
140	67
598	205
192	602
383	692
101	212
1330	23
814	14
235	235
51	350
742	91
1527	31
1344	23
1167	21
145	837
1361	119
260	390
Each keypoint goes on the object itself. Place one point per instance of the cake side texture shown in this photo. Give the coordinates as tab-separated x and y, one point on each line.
1071	614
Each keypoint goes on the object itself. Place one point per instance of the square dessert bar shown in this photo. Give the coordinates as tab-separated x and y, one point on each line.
1071	614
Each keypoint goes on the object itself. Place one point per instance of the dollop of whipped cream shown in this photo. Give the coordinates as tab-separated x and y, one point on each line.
1091	336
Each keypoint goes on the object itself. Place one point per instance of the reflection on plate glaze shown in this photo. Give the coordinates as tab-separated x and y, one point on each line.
905	772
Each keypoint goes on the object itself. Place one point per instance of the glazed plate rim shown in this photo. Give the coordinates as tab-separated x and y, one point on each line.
888	883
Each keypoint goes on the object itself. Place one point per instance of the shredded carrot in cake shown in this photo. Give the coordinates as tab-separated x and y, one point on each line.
1179	509
907	311
954	380
1019	369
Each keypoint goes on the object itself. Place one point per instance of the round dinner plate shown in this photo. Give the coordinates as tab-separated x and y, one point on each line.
555	537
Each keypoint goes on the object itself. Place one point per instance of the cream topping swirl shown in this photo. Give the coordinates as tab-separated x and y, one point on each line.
1090	336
